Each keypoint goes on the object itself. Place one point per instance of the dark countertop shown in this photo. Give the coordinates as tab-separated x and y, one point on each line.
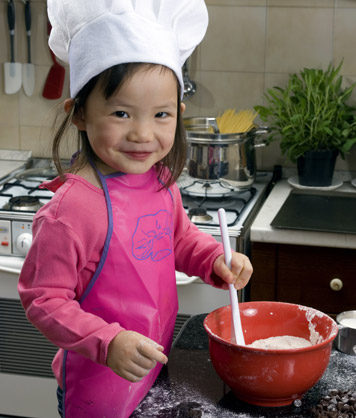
191	383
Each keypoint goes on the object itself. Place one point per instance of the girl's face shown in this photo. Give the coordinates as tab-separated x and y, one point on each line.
135	128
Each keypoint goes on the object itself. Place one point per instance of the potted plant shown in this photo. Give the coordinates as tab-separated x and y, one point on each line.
313	120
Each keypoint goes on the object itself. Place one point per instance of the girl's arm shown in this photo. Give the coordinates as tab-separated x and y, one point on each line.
199	254
195	251
49	286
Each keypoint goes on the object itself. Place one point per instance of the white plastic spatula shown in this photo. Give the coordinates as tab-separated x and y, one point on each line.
236	328
12	69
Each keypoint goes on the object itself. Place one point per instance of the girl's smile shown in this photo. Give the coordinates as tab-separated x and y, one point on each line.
135	128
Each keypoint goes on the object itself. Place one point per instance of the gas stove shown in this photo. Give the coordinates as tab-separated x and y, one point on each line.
20	198
202	199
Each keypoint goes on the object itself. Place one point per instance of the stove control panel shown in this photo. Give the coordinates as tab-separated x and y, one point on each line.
21	237
5	237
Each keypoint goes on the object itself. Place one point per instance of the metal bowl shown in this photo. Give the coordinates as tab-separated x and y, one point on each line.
346	339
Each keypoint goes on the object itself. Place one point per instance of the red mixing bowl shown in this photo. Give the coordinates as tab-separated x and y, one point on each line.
270	377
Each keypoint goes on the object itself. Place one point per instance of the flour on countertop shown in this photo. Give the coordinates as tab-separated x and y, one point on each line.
284	342
159	402
161	399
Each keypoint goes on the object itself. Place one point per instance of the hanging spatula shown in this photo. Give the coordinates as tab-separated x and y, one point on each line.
55	78
28	69
12	69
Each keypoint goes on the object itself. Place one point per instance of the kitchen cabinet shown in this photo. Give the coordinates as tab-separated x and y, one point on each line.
320	277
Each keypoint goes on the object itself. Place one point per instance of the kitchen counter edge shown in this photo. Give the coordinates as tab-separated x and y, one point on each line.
261	230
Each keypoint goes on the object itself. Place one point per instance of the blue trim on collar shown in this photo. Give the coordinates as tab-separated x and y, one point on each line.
113	175
169	190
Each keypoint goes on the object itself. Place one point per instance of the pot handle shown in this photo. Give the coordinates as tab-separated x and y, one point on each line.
260	136
212	122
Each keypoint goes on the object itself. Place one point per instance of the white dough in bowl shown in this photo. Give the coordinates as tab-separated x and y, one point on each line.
284	342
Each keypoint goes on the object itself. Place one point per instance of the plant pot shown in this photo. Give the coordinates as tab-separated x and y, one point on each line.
316	168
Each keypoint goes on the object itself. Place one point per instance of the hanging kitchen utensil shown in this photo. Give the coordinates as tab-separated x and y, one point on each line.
28	69
189	85
237	335
13	70
55	78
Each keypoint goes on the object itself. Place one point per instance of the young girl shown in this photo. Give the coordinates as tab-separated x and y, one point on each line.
99	279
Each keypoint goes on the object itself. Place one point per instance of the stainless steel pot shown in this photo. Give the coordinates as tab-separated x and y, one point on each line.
346	338
229	157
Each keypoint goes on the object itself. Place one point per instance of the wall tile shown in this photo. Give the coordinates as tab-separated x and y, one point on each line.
345	39
301	3
193	103
41	54
250	3
38	139
297	38
9	105
9	137
235	40
346	3
230	90
34	110
271	155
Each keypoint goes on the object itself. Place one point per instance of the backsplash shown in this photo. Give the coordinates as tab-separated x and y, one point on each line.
250	45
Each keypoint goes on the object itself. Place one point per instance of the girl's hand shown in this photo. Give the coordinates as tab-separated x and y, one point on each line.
240	273
132	355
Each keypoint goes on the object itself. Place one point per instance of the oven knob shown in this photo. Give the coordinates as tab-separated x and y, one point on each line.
336	284
23	243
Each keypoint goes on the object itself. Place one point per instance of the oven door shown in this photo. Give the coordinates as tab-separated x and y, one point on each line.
28	387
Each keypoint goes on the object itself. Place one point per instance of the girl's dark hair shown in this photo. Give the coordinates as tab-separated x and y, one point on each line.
110	81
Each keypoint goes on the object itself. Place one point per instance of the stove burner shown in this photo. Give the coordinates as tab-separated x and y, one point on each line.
206	188
23	203
203	210
199	214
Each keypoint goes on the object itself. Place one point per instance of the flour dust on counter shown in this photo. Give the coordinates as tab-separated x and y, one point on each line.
340	374
339	398
168	399
183	402
187	402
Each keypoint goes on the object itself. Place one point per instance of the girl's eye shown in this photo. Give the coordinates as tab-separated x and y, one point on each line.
121	114
161	115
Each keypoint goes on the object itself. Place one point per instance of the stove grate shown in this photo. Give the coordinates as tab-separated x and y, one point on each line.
233	205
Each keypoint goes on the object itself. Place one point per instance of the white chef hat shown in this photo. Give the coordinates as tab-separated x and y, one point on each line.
94	35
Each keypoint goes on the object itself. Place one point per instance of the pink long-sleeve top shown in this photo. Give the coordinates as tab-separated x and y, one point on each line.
68	238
